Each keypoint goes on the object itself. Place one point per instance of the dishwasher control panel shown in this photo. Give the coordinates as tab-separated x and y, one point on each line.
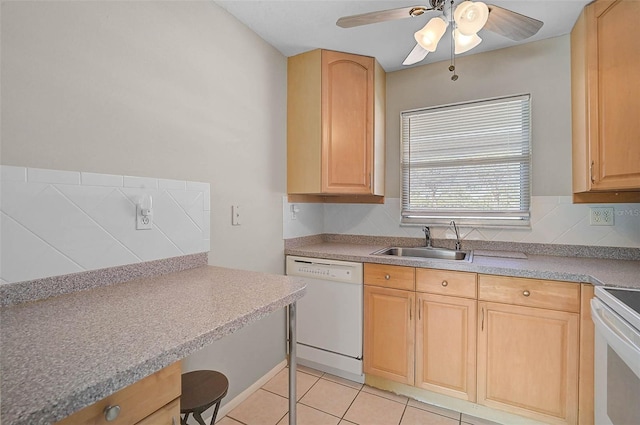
315	268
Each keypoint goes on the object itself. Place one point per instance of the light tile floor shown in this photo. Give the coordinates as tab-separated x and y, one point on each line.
324	399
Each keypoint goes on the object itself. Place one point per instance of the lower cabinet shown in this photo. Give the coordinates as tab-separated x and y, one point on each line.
434	333
528	361
154	400
166	415
446	345
512	344
389	329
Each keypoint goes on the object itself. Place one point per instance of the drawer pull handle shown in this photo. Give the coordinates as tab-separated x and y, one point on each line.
386	276
111	413
526	293
445	283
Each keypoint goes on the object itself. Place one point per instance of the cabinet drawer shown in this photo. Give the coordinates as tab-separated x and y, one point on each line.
446	282
550	294
398	277
137	401
167	415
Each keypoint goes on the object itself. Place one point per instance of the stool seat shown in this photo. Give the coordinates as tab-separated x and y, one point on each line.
201	389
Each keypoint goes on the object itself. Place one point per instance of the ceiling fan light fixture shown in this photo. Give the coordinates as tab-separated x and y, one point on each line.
471	16
429	36
464	43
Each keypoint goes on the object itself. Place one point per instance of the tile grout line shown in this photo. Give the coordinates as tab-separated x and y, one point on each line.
403	412
351	404
358	392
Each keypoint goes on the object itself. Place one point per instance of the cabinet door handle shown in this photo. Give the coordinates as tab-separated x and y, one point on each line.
526	293
387	277
419	308
445	283
593	178
111	413
410	317
482	321
173	420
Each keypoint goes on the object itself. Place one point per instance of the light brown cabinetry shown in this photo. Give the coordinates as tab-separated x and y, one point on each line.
152	400
528	347
446	332
398	277
446	345
520	345
389	332
431	332
335	127
605	63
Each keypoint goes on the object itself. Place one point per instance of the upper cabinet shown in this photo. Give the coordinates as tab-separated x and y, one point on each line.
605	64
335	128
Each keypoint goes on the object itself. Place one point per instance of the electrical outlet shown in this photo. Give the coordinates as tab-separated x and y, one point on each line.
601	216
144	218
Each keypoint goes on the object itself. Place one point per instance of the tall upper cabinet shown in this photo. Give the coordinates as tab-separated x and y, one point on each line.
605	65
335	128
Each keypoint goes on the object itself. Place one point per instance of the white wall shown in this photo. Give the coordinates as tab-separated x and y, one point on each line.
542	68
174	90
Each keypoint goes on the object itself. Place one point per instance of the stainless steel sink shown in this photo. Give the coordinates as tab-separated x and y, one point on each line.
424	252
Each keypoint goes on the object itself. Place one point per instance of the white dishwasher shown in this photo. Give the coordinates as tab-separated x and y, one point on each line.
329	317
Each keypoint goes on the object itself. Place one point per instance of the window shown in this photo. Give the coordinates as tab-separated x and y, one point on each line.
468	162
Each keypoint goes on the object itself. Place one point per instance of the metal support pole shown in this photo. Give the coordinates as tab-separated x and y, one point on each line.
292	363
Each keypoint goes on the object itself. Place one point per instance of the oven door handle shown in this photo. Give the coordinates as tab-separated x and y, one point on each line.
629	352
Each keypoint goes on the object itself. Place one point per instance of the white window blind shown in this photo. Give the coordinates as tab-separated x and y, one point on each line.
468	162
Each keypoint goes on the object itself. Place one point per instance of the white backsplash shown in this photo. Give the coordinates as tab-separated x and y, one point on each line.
59	222
554	220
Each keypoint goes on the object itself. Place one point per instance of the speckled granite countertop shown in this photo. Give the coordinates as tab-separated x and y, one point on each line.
64	353
622	273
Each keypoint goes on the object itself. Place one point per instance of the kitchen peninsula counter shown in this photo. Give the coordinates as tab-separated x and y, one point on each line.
608	272
67	352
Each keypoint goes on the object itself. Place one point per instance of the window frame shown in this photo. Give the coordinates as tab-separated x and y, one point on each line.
481	219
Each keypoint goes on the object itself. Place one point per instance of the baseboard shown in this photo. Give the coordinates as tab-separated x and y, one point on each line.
235	402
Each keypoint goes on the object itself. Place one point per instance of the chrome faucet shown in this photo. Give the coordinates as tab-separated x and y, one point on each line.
427	236
455	228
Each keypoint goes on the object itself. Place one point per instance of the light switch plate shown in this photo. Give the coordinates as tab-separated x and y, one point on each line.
235	215
601	216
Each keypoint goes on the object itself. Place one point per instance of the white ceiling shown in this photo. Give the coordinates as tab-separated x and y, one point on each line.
296	26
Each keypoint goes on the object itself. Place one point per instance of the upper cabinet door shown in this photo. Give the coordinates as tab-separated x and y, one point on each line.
606	98
347	127
617	64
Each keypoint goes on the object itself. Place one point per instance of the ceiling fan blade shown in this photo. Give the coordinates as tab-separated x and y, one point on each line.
510	24
380	16
416	55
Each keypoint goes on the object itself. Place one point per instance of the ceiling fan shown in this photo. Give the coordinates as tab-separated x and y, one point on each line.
465	21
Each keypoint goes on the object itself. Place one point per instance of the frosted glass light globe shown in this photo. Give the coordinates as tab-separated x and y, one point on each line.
429	36
471	16
464	43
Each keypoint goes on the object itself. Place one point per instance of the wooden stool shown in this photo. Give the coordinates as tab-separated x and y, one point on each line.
201	389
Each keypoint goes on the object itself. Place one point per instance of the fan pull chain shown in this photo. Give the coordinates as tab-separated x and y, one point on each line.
452	24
